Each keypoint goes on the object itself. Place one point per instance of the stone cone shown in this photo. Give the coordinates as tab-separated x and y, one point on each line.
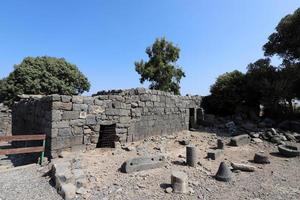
224	173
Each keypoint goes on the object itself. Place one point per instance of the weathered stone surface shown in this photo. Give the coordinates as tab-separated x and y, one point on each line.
67	115
80	107
77	99
261	158
179	181
65	98
191	156
243	167
223	173
143	163
220	144
289	150
240	140
68	191
214	154
61	106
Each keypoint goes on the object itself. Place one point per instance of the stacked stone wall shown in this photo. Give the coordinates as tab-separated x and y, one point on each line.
5	120
73	121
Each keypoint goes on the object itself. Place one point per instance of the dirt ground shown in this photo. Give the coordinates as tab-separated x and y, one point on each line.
278	180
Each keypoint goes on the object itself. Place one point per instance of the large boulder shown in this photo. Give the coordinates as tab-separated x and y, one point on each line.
240	140
143	163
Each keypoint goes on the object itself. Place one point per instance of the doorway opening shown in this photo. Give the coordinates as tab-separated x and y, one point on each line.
107	136
191	118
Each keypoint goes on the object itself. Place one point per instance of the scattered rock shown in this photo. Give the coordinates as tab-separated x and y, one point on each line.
169	190
68	191
243	167
224	173
191	156
143	163
214	154
257	140
220	144
179	182
240	140
261	158
184	142
288	150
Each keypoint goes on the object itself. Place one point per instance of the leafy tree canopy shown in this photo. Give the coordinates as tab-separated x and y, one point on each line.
161	69
285	42
43	75
226	93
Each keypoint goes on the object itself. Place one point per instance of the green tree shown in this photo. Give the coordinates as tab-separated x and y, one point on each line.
227	93
161	70
42	75
285	42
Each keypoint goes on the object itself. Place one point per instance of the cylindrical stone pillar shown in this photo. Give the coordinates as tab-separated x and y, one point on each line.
220	144
191	156
179	181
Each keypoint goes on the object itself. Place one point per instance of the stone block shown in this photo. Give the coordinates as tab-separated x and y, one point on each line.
88	100
56	115
77	122
77	99
60	124
80	107
91	120
179	182
64	132
76	140
240	140
214	154
55	97
68	191
125	120
96	109
68	115
65	98
143	163
82	115
57	105
77	130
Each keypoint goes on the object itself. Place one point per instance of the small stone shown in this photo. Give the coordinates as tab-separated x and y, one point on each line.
169	190
68	191
214	154
257	140
184	142
81	191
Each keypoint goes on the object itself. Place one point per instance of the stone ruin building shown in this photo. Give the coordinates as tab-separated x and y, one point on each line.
5	122
105	120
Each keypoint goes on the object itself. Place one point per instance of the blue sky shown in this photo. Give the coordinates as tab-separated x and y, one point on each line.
104	38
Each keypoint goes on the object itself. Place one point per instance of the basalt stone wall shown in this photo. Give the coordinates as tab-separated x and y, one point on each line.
74	121
5	120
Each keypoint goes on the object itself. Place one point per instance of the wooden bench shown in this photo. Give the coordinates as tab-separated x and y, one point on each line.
26	138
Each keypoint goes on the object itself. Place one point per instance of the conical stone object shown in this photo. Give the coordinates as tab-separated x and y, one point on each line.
224	173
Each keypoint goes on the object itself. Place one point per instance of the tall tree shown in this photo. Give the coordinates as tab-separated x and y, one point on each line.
43	75
161	70
285	42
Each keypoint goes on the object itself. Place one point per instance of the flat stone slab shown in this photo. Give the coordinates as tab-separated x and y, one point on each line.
214	154
143	163
240	140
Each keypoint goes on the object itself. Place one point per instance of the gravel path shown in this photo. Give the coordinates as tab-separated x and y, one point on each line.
26	183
